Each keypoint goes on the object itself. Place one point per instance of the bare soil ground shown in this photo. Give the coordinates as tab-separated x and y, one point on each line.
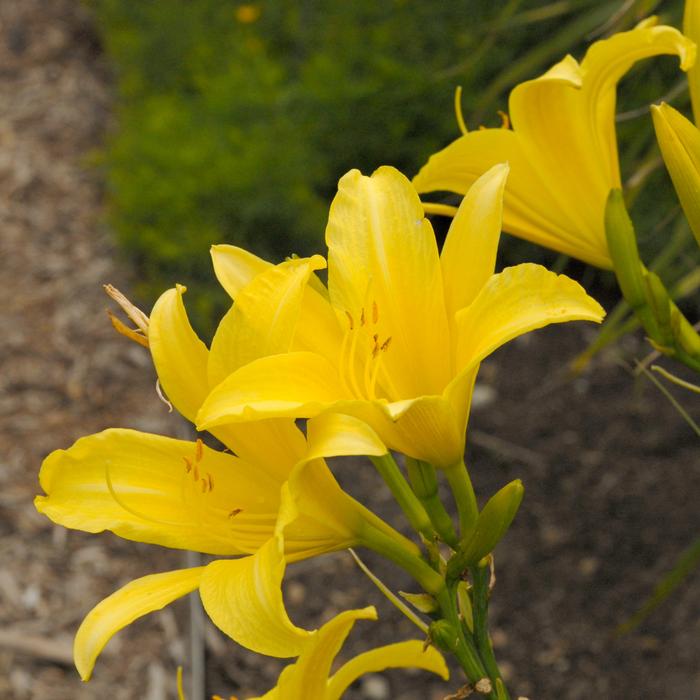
612	473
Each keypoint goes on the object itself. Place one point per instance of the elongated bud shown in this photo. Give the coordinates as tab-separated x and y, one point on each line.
622	244
679	140
493	522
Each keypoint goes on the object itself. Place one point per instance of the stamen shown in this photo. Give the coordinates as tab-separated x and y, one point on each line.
458	111
188	465
133	313
351	367
362	316
210	481
386	344
196	472
235	512
375	347
205	485
352	323
375	312
198	450
505	119
161	396
342	363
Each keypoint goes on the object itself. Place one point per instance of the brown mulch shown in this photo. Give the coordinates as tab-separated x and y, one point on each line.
611	472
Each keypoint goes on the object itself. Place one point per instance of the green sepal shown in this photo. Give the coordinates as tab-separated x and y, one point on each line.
492	523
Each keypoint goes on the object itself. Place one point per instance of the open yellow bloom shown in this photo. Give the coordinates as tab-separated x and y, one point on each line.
182	494
309	677
562	148
398	336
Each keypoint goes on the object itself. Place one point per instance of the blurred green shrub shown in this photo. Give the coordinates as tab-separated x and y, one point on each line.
235	121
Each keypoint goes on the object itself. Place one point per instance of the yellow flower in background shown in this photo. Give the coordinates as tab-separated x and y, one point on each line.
275	501
679	140
691	29
562	148
398	336
310	676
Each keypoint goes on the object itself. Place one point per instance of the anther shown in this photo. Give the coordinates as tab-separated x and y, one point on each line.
385	345
375	312
205	485
352	323
188	465
198	450
235	512
210	481
196	472
375	347
362	316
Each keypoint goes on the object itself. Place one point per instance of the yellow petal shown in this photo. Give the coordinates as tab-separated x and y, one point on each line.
691	29
468	256
155	489
411	654
424	428
179	355
235	267
531	210
263	319
134	600
383	268
299	384
317	329
308	677
320	516
679	140
336	435
243	597
515	301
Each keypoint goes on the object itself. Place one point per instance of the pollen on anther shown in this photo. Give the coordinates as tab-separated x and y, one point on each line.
362	316
234	512
385	345
196	473
352	323
375	347
205	485
198	450
210	481
188	465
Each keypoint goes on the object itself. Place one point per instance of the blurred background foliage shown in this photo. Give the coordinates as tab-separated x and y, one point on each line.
234	121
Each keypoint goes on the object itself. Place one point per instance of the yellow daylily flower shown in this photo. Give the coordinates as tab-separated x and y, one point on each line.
309	676
185	495
679	140
397	338
562	148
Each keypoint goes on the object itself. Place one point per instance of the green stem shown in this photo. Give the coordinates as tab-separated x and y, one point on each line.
463	492
464	649
480	607
424	481
407	500
430	580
